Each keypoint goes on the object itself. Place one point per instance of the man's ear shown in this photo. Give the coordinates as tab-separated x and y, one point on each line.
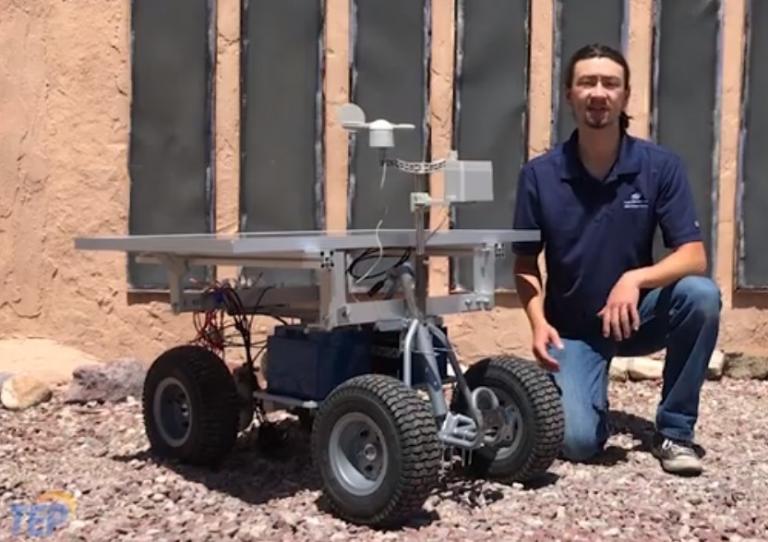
627	94
568	95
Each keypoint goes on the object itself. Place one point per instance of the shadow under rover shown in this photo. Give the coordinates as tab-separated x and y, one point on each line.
278	464
257	470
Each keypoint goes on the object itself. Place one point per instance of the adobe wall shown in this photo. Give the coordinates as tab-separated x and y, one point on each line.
64	124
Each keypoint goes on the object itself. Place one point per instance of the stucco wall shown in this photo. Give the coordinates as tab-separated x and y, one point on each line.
64	125
64	109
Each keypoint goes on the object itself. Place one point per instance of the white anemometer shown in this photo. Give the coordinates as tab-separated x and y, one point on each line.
380	131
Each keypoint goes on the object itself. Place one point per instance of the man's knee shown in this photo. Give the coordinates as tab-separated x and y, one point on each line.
581	445
586	430
700	295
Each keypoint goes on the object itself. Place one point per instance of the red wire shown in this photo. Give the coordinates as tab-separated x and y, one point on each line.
211	327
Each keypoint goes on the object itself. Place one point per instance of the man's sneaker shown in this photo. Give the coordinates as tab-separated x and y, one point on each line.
677	457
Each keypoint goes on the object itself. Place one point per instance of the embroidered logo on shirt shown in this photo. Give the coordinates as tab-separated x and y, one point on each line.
636	201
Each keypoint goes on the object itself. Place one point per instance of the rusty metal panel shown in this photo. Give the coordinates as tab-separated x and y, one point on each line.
579	23
171	150
490	120
282	173
389	76
686	98
753	186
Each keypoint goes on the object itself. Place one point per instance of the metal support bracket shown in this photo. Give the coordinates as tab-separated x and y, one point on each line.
177	268
484	275
333	290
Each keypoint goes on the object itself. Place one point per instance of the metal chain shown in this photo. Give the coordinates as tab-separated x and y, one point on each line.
416	168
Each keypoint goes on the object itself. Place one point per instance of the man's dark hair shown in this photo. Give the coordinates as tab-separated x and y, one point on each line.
599	50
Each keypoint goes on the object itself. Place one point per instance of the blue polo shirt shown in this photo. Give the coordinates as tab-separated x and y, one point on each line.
592	231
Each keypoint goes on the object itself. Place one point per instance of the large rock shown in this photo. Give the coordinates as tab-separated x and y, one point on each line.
110	382
644	368
48	361
744	367
23	391
618	370
716	365
4	377
652	367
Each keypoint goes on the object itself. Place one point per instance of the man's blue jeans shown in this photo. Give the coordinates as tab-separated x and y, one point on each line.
684	318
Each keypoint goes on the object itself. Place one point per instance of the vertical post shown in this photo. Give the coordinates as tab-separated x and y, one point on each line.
730	110
336	86
540	78
227	118
639	55
540	83
441	83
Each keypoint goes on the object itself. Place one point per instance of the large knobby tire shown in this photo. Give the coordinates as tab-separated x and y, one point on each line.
534	402
190	406
375	443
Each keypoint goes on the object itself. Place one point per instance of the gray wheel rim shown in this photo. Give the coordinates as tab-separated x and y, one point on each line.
358	454
172	411
516	418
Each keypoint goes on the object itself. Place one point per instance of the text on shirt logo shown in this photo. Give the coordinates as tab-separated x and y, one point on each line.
636	201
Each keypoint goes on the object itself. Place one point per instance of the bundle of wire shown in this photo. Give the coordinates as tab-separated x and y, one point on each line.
379	251
368	254
367	274
222	326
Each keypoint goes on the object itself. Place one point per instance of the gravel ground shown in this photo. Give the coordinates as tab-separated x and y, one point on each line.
99	453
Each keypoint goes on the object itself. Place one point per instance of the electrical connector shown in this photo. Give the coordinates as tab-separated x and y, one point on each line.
420	199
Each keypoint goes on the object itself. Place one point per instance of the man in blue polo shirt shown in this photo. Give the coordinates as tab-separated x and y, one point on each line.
597	200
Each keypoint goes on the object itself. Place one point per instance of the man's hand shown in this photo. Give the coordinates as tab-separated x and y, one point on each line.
528	281
620	316
544	335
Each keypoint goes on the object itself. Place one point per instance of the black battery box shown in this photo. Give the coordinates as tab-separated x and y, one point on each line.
386	357
309	363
